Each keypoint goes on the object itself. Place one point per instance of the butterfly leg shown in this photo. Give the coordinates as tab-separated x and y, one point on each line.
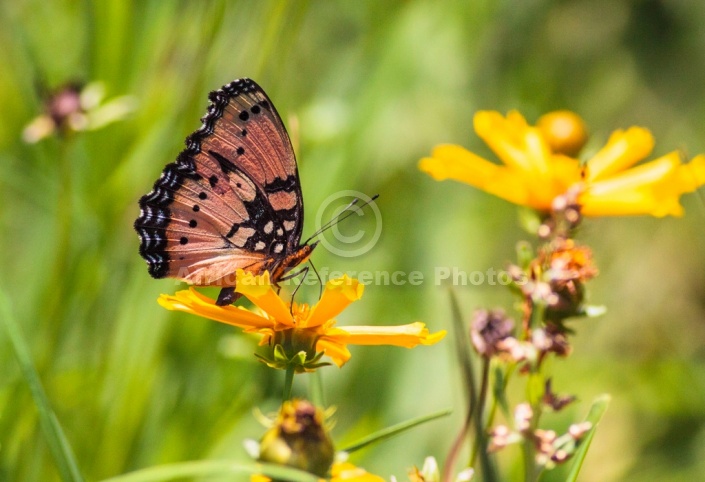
303	271
227	296
320	281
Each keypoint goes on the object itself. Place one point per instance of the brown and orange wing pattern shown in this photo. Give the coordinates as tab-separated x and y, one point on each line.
231	200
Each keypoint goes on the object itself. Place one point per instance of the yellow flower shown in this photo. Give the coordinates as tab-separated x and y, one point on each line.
298	438
347	472
300	329
537	168
340	472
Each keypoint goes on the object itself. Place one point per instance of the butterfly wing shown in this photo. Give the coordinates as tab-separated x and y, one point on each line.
231	200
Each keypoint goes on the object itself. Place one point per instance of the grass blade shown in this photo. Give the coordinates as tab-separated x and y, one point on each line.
464	352
53	433
394	430
597	410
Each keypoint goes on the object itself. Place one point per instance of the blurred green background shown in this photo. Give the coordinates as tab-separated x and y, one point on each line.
366	88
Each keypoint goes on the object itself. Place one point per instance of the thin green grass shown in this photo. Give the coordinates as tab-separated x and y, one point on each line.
366	89
54	435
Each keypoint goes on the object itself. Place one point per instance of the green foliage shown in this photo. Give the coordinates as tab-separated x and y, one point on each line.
366	88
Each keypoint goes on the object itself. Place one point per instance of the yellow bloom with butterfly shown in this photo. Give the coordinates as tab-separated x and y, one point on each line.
300	334
539	167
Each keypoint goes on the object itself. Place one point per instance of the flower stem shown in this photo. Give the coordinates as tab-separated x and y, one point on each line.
532	471
288	382
315	389
465	357
480	444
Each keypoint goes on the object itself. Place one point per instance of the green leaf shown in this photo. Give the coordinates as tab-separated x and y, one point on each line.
300	358
53	433
280	354
394	430
499	389
315	389
465	354
597	410
212	468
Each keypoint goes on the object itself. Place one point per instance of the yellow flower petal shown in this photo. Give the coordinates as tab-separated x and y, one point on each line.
517	145
252	284
259	290
653	188
191	301
347	472
692	175
459	164
407	336
623	150
532	175
453	162
631	203
338	294
334	350
645	174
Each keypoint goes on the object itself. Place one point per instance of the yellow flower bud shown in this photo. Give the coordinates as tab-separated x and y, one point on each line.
565	131
299	439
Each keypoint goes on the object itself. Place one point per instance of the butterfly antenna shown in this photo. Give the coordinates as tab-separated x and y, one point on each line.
336	219
344	214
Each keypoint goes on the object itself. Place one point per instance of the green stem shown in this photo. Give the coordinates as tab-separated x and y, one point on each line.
496	399
536	317
480	444
388	432
464	356
474	413
531	470
315	389
54	294
529	457
534	394
54	435
288	382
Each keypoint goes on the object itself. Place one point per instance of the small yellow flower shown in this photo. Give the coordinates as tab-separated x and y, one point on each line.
536	168
298	438
347	472
340	472
301	328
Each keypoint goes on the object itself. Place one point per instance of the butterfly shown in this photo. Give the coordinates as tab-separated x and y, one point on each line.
231	200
